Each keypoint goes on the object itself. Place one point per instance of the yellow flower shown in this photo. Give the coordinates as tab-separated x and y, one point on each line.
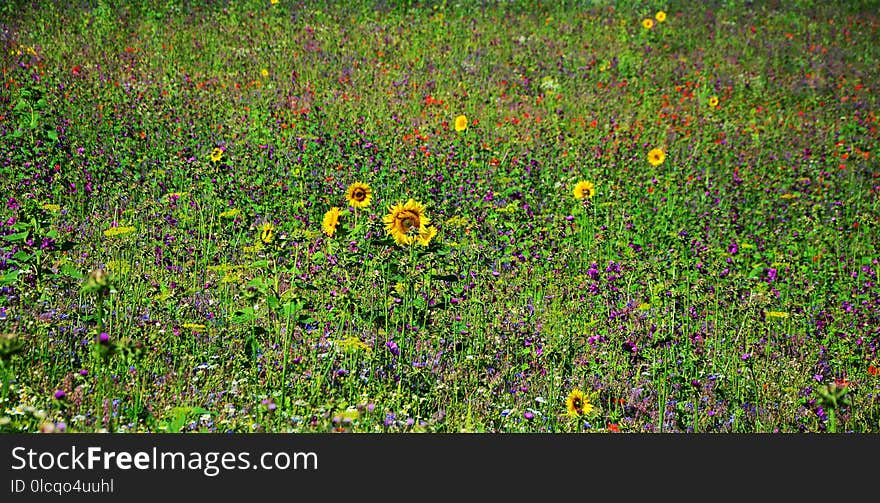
118	266
661	16
425	239
230	213
118	231
352	342
264	72
267	233
647	23
656	156
359	195
407	223
461	123
52	208
273	2
331	220
216	154
713	101
584	189
195	327
578	404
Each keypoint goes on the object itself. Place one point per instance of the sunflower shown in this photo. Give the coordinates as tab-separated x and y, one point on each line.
584	189
661	16
267	233
426	237
578	404
407	222
331	220
656	156
461	123
216	154
647	23
359	195
713	101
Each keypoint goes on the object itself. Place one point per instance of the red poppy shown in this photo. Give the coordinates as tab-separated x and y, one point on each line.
874	371
613	428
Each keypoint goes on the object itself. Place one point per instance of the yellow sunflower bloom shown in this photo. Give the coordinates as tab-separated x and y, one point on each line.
647	23
656	156
267	233
331	220
408	222
359	195
661	16
584	189
425	238
216	154
578	403
461	123
713	101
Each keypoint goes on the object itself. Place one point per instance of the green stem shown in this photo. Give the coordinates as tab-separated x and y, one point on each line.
284	363
6	380
100	313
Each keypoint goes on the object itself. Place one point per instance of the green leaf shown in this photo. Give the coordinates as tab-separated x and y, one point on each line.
22	256
18	236
9	278
273	302
251	348
245	315
69	270
257	283
181	415
291	309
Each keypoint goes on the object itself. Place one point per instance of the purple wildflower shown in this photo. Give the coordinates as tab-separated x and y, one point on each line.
392	347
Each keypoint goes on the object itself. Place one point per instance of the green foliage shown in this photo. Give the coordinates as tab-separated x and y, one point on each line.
730	288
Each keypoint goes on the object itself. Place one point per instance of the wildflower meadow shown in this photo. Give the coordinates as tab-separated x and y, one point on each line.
439	216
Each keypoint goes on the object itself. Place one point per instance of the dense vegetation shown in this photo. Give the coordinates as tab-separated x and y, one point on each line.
637	218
